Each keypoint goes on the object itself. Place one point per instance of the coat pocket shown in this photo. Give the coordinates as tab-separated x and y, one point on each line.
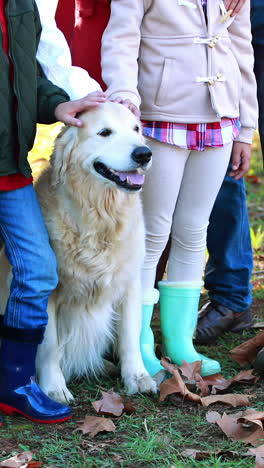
162	96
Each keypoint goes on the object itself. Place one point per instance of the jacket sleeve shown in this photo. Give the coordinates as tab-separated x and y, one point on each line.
120	49
240	34
55	58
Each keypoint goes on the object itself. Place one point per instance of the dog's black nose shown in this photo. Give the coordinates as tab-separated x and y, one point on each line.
142	155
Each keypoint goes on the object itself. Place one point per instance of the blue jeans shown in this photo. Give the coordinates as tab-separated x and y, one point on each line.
32	258
259	73
229	267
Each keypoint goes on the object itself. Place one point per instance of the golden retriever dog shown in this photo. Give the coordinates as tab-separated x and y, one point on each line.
91	205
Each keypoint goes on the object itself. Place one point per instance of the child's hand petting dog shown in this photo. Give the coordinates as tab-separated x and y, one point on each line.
66	111
129	104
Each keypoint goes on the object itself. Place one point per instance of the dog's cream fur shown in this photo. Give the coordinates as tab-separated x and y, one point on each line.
97	232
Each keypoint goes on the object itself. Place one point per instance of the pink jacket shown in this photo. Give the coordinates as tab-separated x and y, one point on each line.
162	54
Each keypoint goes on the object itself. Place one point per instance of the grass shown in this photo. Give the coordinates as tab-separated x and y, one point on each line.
157	433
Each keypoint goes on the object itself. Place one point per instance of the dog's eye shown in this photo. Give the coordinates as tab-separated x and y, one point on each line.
136	128
105	132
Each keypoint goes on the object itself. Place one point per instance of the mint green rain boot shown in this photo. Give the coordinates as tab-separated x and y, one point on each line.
179	312
151	362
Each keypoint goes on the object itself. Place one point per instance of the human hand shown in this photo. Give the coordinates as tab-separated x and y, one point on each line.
234	5
241	156
66	111
129	104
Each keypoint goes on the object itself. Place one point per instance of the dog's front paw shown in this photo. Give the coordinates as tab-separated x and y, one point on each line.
62	395
140	383
53	384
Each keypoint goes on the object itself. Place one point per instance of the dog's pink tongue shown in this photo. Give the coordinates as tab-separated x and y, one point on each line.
132	177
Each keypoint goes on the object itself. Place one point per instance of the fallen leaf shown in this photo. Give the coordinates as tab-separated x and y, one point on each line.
196	454
259	462
213	416
111	404
232	399
253	416
202	386
18	461
175	384
129	408
219	383
237	431
92	425
203	455
253	179
247	351
34	464
190	370
257	451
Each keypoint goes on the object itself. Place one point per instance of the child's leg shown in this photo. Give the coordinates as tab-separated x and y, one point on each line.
203	175
34	264
160	193
34	277
159	198
179	297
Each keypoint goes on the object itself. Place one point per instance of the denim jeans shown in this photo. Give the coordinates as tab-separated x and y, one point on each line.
259	72
27	248
229	267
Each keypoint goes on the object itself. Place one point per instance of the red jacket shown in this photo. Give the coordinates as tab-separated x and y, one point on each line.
84	36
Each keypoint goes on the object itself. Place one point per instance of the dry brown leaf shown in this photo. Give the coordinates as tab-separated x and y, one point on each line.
213	416
219	383
111	404
168	387
34	464
202	386
196	454
256	451
252	416
18	461
231	399
203	455
129	408
259	462
247	351
175	384
92	425
236	431
190	370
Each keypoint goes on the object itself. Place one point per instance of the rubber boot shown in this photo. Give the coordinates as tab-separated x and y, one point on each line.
19	393
151	362
179	313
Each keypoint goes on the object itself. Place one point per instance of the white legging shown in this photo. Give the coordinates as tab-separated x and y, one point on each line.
178	196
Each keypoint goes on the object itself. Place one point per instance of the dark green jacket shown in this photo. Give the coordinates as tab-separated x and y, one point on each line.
28	98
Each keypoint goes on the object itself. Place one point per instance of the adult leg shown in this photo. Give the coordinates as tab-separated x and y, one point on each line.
34	277
259	72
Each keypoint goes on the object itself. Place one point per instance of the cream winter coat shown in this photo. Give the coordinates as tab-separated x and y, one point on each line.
183	69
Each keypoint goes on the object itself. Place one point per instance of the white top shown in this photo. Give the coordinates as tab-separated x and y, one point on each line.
55	58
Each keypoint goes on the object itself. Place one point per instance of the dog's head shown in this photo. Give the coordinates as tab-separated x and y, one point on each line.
110	145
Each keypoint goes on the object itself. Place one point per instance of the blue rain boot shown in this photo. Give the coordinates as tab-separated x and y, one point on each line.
178	314
19	393
151	362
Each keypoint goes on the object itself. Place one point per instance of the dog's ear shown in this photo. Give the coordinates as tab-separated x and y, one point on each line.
64	145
